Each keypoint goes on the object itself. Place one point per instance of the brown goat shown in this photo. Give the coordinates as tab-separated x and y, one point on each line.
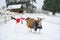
30	22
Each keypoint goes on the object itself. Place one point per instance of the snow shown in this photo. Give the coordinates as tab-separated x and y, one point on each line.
13	31
14	6
2	3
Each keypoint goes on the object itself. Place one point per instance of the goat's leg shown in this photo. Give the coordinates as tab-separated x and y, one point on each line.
39	31
30	29
40	28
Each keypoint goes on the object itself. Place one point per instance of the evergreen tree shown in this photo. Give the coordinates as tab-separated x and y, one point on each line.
52	5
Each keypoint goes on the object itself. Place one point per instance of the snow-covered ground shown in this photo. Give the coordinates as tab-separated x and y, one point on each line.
13	31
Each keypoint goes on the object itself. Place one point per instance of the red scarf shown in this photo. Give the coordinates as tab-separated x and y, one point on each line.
18	19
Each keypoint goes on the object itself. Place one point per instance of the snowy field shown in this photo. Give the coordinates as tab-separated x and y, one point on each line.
13	31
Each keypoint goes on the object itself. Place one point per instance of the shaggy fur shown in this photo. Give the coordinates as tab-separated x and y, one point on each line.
30	22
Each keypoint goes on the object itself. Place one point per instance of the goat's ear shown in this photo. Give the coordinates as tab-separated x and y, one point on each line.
27	18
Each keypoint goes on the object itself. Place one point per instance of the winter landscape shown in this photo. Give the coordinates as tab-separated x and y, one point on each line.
13	31
10	30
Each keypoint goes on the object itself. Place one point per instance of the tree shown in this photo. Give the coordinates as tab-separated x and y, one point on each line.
51	5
